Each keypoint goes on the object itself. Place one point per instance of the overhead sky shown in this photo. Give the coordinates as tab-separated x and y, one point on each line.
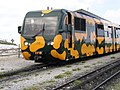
12	12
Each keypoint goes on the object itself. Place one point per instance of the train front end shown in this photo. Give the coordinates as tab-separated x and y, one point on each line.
41	38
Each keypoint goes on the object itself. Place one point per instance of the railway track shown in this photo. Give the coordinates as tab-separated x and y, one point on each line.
92	80
100	85
22	72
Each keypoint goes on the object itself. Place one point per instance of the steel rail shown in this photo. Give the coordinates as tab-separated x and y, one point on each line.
88	74
24	71
106	80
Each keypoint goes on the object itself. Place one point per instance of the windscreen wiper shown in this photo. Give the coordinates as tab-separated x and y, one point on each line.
43	29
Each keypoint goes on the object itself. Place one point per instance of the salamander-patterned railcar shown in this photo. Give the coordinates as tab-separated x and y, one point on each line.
62	35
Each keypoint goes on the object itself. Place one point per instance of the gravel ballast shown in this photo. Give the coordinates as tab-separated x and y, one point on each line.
48	77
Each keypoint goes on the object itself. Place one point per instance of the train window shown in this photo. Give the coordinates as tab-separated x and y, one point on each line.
118	33
110	31
100	26
100	30
83	24
77	23
106	34
80	24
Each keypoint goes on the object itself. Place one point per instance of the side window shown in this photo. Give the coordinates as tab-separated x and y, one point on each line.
83	24
110	31
77	23
106	34
118	33
80	24
100	30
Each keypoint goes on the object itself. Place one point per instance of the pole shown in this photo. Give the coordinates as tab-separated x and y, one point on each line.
19	51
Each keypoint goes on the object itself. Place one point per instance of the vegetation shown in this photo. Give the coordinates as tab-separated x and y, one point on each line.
76	69
83	61
87	66
6	42
63	75
2	68
112	57
68	66
94	64
50	81
100	62
31	88
68	73
77	82
59	76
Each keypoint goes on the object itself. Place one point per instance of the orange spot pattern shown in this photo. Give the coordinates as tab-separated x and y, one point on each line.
80	36
57	41
23	46
100	39
38	44
55	54
88	50
100	50
111	48
73	53
107	49
26	55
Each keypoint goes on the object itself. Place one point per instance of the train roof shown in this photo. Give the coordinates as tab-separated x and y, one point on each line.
81	11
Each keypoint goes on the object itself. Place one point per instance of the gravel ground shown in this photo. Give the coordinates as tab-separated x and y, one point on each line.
48	77
113	84
11	63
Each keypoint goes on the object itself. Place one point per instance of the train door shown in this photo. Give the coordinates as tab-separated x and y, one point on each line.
100	40
69	30
114	38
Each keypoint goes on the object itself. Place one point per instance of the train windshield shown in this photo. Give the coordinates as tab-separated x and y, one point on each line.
45	26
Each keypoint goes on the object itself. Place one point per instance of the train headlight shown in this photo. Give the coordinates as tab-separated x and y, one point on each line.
50	43
26	43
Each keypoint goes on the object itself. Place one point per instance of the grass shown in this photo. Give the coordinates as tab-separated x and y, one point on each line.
68	73
59	76
63	75
94	64
63	70
76	69
15	81
87	66
68	66
76	63
2	69
77	82
112	57
100	62
83	61
36	74
1	87
50	81
31	88
48	73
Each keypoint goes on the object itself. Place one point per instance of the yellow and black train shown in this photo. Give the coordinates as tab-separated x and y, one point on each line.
62	35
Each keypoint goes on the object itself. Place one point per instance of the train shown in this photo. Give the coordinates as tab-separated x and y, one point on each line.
64	35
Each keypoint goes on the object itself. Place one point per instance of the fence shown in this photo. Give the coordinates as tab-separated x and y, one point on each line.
9	52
